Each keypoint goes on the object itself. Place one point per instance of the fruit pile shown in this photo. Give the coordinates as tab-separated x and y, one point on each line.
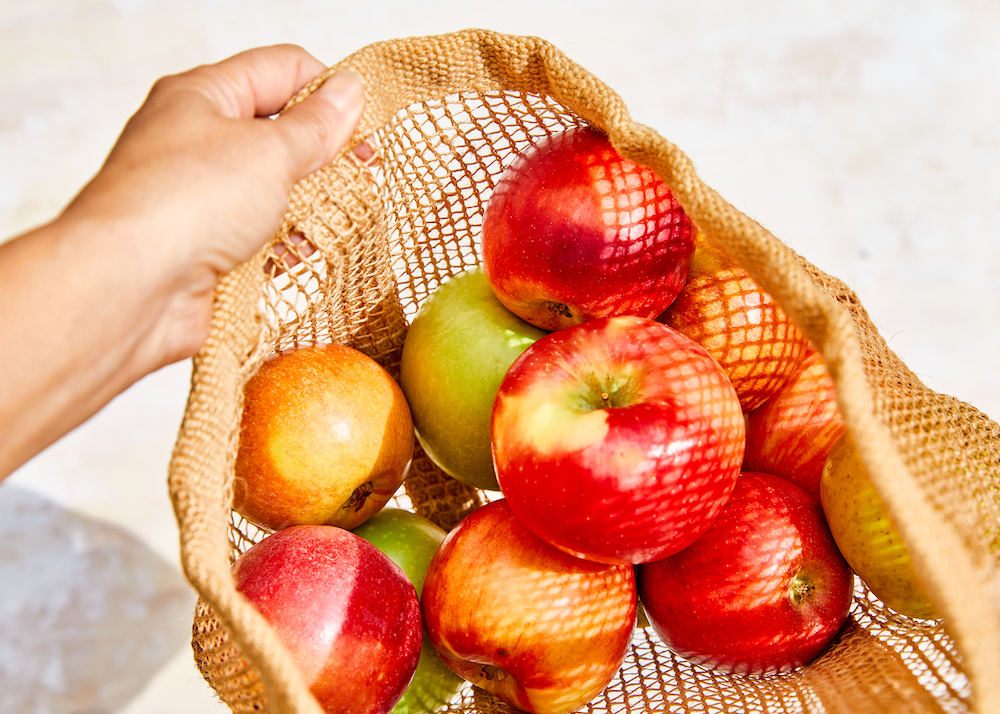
659	442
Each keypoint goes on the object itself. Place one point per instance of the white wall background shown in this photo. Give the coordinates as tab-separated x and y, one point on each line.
866	135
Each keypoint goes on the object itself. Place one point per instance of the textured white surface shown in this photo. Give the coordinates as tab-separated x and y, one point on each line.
866	135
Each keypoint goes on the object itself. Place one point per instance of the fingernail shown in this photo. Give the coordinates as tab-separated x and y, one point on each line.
344	90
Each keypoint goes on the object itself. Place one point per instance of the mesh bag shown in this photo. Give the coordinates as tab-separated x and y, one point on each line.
398	214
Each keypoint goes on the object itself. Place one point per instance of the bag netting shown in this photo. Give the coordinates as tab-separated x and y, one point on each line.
398	214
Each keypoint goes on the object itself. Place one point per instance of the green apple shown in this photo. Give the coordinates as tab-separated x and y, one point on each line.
455	355
410	541
866	534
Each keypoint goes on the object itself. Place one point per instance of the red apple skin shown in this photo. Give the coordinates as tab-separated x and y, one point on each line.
725	311
348	615
764	589
543	631
573	231
792	433
326	438
617	440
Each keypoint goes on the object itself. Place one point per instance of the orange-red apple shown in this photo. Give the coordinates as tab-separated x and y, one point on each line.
544	631
325	438
725	311
792	433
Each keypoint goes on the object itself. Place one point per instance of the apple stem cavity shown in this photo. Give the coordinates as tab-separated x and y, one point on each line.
608	393
559	308
801	589
360	495
489	672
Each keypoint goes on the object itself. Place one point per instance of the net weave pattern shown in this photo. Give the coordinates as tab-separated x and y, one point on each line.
399	213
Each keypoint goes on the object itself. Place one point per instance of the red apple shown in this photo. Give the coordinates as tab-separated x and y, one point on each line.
574	231
326	437
764	589
617	440
725	311
410	541
792	433
542	630
348	615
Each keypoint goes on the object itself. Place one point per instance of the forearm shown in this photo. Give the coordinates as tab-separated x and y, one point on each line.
78	327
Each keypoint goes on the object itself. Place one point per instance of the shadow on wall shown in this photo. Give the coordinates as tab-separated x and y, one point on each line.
88	613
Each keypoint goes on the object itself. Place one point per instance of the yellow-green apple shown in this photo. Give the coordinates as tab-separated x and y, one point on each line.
455	353
867	535
764	589
326	437
347	614
574	231
540	629
410	541
791	434
725	311
617	440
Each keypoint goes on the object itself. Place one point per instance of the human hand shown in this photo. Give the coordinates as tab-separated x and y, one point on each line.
200	174
122	282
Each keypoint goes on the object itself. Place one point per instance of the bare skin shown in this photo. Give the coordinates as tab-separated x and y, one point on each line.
121	282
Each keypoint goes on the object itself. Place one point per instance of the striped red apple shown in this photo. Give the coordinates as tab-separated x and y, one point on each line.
574	231
617	440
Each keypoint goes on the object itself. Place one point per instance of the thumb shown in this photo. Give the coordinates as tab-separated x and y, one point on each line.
319	126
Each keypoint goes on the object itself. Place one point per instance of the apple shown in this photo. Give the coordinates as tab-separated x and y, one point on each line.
867	535
573	231
456	352
326	437
725	311
347	614
791	434
617	440
543	631
764	589
410	541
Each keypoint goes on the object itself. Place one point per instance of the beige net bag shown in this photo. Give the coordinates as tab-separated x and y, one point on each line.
444	116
